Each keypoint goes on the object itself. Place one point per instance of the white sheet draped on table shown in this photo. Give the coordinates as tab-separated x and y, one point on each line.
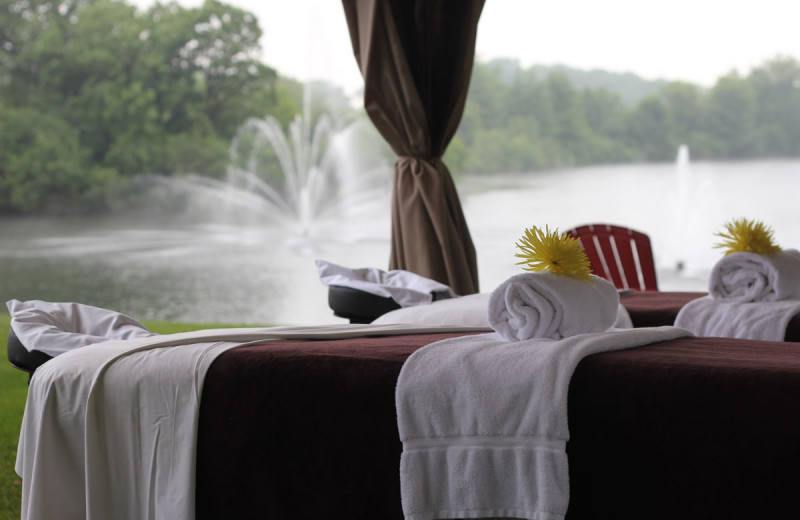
109	430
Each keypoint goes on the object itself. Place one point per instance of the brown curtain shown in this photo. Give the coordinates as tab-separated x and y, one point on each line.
416	58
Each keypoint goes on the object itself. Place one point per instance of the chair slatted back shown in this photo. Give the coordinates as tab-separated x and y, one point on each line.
621	255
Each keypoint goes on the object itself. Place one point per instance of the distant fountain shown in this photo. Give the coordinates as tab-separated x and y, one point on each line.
682	160
683	172
304	180
681	207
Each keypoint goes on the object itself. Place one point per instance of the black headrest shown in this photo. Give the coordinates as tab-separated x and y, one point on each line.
358	306
21	358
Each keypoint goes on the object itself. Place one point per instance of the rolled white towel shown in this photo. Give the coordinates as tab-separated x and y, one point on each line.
547	305
751	277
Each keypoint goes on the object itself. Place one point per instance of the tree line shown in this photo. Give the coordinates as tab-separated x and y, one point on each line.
94	93
519	119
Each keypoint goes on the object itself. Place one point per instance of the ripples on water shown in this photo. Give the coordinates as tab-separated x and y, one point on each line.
183	273
188	270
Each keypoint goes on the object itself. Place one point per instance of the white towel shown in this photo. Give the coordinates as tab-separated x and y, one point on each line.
707	316
751	277
469	311
484	423
547	305
404	287
58	327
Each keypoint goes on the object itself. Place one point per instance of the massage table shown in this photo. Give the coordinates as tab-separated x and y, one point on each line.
692	428
646	309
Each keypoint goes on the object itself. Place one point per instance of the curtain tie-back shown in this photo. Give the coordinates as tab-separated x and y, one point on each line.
432	160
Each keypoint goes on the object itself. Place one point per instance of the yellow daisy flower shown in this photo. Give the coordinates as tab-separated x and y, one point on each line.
555	252
747	236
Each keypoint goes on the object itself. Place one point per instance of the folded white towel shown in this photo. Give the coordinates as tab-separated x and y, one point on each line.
469	311
58	327
547	305
707	316
404	287
484	423
751	277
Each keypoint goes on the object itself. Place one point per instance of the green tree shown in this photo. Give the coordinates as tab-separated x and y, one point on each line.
486	104
685	104
777	90
516	121
161	91
220	51
531	124
731	118
650	132
42	166
568	127
606	115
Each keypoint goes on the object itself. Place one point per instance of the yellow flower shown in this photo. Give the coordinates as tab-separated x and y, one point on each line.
554	252
747	236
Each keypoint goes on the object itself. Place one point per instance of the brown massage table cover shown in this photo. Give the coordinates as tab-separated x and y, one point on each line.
694	428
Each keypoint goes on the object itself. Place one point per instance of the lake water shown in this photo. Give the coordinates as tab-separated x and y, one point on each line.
197	269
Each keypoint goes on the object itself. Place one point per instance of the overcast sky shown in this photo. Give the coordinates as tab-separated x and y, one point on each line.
690	40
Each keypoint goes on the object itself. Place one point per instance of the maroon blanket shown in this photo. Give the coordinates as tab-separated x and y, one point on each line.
695	428
655	308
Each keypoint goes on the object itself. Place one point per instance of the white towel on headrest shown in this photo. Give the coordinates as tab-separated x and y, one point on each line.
404	287
751	277
58	327
554	306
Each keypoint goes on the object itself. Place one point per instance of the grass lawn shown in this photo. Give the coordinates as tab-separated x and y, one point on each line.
13	392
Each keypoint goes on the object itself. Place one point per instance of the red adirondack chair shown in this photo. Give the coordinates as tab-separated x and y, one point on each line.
621	255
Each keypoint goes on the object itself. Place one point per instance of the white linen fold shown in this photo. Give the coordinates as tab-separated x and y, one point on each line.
707	316
58	327
751	277
547	305
750	296
469	311
404	287
109	430
483	423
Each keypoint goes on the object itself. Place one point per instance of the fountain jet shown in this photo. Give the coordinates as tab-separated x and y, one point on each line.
305	179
